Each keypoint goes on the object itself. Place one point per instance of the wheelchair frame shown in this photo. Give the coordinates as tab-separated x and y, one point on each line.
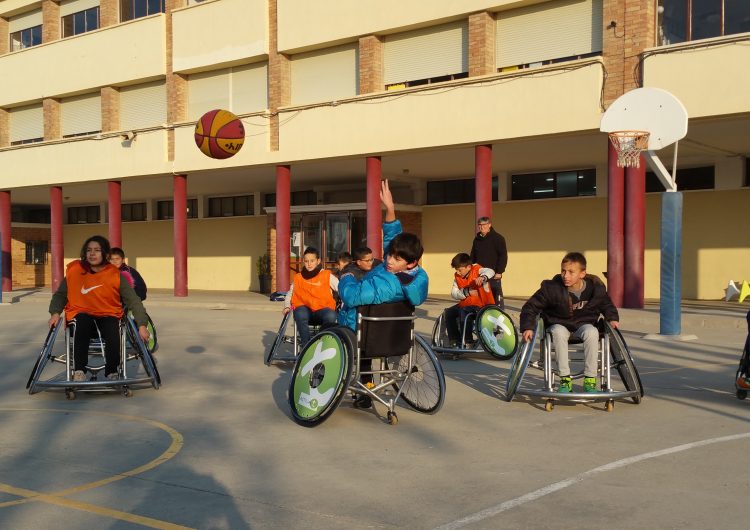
273	353
440	343
128	334
405	374
620	354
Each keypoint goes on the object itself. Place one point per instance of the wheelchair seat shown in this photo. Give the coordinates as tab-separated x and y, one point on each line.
387	331
493	329
286	345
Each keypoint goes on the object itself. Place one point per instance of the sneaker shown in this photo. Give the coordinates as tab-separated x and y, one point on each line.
114	376
566	385
743	382
79	375
453	343
362	402
589	384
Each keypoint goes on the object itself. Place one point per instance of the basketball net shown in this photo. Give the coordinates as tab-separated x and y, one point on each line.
629	145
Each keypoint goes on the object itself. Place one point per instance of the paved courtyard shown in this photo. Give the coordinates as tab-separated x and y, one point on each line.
216	448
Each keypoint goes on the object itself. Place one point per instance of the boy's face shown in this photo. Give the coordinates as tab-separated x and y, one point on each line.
484	227
396	264
115	260
366	262
94	254
310	261
340	264
463	270
572	273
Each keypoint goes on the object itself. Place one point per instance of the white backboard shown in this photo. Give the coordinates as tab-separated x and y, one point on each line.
648	109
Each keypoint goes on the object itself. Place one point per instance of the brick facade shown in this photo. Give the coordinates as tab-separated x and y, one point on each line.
23	275
176	83
4	36
109	12
110	109
51	111
370	64
481	44
50	20
4	128
279	76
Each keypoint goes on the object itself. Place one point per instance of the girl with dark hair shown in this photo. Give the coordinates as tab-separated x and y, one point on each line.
92	293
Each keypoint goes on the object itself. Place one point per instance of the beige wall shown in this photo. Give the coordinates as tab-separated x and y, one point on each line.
109	56
219	33
9	8
708	80
221	252
539	233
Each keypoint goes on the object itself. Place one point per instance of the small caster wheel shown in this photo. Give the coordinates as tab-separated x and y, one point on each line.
610	405
549	405
70	395
741	394
392	418
127	392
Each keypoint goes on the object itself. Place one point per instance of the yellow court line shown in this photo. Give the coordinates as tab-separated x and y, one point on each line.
57	497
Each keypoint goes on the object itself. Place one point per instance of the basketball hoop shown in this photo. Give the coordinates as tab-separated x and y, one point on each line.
629	145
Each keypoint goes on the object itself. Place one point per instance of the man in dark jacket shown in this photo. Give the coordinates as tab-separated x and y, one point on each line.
489	250
570	304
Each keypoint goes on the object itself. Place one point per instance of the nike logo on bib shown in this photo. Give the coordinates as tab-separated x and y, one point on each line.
86	291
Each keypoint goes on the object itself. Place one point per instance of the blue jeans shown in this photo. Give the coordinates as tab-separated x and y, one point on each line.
304	317
454	321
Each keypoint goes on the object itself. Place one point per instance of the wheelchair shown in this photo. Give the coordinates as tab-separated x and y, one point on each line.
285	346
490	328
331	365
743	370
612	352
137	366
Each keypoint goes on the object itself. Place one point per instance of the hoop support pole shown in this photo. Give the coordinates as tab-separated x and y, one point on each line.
661	172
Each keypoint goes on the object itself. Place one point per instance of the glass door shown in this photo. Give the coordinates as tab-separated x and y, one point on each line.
337	236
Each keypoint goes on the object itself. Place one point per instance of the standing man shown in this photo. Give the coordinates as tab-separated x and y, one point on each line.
489	250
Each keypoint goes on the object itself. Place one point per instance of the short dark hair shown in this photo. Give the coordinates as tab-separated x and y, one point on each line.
312	250
407	247
361	252
103	243
575	257
484	220
462	259
344	256
117	251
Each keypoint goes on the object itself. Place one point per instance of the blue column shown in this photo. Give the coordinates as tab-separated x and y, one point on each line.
670	318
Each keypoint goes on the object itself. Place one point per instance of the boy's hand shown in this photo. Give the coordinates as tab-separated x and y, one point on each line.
286	310
615	324
143	332
387	199
527	334
53	320
473	292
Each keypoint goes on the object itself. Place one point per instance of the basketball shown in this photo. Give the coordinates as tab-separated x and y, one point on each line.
219	134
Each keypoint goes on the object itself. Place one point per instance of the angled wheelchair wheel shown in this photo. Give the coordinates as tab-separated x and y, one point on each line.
623	361
321	376
142	352
521	362
44	356
424	390
496	332
153	342
281	342
440	332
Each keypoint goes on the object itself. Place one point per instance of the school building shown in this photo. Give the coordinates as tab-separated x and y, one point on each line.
472	107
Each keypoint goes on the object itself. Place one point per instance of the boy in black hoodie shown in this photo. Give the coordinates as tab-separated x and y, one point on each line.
570	304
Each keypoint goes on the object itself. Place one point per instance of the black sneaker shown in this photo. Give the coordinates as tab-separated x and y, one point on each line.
362	402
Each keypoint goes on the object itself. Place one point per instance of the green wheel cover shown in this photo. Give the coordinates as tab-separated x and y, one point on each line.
318	376
497	333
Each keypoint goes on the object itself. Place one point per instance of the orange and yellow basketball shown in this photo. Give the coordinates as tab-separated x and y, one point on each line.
219	134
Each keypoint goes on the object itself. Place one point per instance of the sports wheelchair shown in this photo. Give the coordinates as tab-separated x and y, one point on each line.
285	346
743	370
134	354
490	328
331	365
612	352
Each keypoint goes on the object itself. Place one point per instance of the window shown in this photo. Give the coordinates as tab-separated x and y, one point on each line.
554	184
81	115
83	214
455	191
80	22
324	75
695	178
30	214
133	212
26	38
298	198
132	9
230	206
686	20
36	252
26	124
165	209
747	172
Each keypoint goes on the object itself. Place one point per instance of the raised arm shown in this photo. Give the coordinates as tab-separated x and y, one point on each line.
387	199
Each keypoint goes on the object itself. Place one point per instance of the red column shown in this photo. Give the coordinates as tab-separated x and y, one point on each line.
180	236
56	225
615	227
374	211
483	181
283	219
7	275
115	213
635	234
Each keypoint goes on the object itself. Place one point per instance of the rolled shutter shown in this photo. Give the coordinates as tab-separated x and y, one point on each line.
249	88
27	20
68	7
426	53
208	91
550	30
81	114
324	75
26	123
143	105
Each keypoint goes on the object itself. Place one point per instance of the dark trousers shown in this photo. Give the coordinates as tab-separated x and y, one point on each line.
497	291
85	328
304	316
454	321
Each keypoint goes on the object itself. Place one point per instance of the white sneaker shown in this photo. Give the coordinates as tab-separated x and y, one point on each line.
79	375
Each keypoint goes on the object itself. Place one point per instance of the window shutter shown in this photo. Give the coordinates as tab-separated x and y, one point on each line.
208	91
249	88
26	123
551	30
143	105
68	7
25	21
81	114
324	75
426	53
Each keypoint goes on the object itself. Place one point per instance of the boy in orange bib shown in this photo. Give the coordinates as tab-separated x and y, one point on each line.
472	290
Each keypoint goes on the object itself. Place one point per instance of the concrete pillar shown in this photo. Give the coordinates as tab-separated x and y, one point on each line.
7	265
635	235
283	220
483	181
374	211
180	236
114	194
56	230
615	228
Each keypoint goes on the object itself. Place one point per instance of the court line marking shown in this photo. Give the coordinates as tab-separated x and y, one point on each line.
58	497
557	486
